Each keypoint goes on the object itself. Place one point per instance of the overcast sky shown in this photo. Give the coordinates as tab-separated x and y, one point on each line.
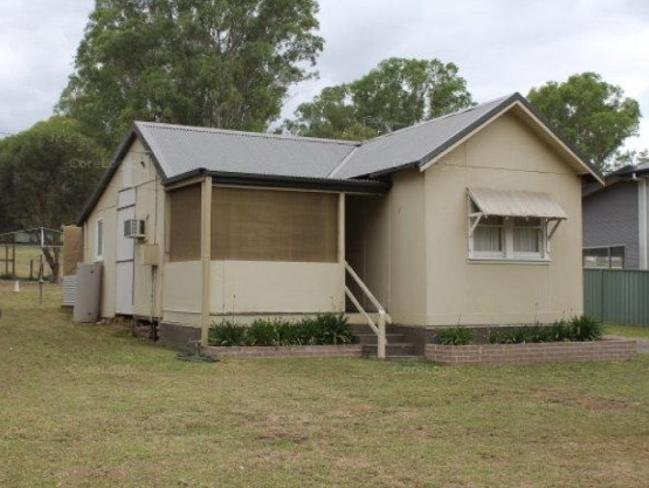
500	46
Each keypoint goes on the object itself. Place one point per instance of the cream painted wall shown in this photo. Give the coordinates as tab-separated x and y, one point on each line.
150	207
414	241
105	209
388	237
275	287
250	287
504	155
182	292
150	204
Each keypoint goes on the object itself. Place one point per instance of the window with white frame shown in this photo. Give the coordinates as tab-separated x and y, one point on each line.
511	225
528	237
488	239
99	239
514	238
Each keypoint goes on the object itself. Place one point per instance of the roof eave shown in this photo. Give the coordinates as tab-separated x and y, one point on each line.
278	181
119	154
506	104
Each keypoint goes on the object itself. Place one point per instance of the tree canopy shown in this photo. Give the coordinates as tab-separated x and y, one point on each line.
397	93
217	63
47	173
593	114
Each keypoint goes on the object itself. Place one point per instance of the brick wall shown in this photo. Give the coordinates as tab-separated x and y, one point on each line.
605	350
342	351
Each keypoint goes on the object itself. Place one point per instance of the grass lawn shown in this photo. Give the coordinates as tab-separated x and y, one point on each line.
87	405
627	331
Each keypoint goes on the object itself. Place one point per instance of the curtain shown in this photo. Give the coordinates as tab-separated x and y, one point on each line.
488	235
527	235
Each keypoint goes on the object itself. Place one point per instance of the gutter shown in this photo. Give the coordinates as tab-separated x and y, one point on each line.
247	179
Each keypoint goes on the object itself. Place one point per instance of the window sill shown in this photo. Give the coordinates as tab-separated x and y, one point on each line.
494	260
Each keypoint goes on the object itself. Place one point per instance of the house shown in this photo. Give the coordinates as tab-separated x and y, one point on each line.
470	218
615	220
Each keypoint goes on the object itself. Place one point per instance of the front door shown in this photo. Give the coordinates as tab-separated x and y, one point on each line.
124	265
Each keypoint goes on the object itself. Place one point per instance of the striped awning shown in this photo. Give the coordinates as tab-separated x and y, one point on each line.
516	204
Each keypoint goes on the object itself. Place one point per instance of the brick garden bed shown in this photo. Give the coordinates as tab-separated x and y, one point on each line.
330	351
604	350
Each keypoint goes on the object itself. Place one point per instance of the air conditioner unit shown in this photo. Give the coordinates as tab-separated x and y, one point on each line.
134	228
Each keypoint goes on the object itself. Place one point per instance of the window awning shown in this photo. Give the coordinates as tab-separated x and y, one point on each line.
516	204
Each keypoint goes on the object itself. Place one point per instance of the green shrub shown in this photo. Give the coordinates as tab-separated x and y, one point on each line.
520	335
559	331
262	333
577	329
585	328
320	330
332	329
457	336
226	333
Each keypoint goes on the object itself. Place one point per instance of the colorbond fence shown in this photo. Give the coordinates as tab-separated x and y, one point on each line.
617	296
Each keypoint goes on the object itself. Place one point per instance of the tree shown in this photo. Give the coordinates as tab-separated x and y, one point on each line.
332	115
397	93
46	175
217	63
591	113
631	157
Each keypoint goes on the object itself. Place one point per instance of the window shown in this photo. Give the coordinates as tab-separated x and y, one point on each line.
528	237
604	257
488	237
511	225
514	238
99	234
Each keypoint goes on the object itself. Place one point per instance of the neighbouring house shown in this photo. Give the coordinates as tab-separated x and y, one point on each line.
470	218
616	220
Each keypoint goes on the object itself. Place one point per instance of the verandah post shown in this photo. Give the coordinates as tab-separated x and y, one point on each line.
206	239
380	350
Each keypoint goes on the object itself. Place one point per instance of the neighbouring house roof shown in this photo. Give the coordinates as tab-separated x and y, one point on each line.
181	152
516	204
625	173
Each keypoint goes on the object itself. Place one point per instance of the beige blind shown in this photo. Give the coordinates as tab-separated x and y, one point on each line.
185	224
273	225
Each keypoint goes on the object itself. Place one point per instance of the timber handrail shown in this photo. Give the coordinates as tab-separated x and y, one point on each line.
384	317
367	292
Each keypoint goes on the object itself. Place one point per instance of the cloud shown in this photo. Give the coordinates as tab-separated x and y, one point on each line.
501	46
38	40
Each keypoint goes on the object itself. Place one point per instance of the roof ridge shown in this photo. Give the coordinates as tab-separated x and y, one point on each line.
232	132
435	119
343	161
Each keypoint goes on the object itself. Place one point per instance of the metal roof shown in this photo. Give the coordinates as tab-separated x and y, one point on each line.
412	145
516	203
183	151
180	149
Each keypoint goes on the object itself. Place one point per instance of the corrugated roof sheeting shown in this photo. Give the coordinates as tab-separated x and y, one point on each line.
180	149
412	144
516	203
